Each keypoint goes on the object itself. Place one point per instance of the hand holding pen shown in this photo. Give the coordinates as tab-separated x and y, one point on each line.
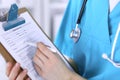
48	65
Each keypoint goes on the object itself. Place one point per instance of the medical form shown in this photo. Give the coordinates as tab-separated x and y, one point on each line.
14	40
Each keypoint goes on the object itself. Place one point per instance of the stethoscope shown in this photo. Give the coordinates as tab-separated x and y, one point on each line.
75	33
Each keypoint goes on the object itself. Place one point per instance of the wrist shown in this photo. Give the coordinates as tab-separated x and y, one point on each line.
75	76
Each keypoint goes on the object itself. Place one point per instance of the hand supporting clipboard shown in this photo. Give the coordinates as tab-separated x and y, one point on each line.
30	24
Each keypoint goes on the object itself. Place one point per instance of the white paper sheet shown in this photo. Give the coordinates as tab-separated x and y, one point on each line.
14	40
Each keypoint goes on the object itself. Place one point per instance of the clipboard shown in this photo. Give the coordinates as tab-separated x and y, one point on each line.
3	51
7	55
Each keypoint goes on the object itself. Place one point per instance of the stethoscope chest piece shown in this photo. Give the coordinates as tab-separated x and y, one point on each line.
75	34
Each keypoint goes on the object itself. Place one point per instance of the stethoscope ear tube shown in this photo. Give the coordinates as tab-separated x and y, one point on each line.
111	59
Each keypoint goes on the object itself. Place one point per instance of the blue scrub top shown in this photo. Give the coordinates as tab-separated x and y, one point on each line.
98	28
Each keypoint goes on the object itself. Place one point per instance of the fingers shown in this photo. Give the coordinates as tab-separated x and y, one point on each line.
9	68
38	61
38	69
22	75
47	64
44	50
14	72
43	54
40	55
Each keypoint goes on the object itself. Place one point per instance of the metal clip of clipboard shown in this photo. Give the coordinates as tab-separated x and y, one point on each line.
12	18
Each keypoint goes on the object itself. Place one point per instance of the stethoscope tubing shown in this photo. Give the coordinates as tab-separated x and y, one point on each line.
81	11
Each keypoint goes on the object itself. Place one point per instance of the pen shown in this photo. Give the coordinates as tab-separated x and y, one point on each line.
31	44
35	45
